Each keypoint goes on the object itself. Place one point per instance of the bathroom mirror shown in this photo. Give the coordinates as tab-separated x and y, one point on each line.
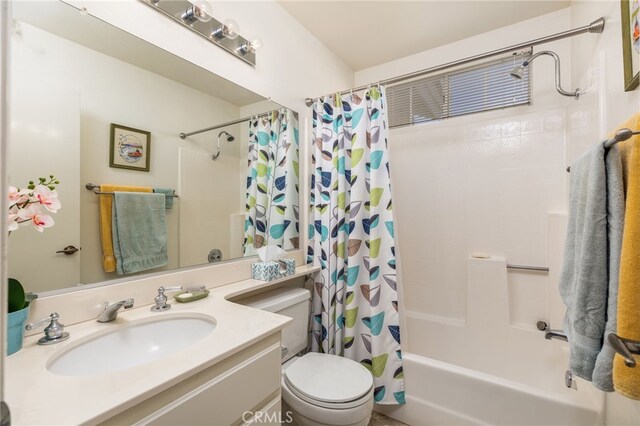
92	104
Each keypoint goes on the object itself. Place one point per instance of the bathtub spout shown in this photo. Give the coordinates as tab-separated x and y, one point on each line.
551	334
555	334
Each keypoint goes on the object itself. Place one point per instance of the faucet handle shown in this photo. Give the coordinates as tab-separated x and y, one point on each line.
53	333
161	299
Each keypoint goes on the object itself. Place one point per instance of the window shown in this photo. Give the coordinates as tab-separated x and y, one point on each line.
464	91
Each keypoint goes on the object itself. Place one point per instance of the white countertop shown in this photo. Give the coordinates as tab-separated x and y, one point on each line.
37	397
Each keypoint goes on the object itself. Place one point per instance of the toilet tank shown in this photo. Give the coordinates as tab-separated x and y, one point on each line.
291	302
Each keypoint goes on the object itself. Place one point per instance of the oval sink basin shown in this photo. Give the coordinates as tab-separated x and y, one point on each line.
134	344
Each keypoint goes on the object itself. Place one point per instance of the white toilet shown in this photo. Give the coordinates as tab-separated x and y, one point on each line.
317	389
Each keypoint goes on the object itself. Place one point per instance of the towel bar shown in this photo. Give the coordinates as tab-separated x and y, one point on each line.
528	268
625	347
96	190
621	135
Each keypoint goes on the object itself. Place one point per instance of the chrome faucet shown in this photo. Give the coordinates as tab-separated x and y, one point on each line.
551	334
110	312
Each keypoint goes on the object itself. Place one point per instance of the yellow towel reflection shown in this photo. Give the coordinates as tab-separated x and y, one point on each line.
106	204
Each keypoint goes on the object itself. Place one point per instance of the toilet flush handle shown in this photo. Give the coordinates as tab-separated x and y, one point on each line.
284	351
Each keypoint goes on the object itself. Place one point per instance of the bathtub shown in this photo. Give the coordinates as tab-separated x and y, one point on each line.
439	393
488	369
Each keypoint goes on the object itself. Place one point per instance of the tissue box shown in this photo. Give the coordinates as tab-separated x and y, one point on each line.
269	271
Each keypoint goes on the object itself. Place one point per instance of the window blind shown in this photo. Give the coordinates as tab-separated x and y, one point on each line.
468	90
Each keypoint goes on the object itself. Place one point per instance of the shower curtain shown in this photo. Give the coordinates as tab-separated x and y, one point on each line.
272	182
351	237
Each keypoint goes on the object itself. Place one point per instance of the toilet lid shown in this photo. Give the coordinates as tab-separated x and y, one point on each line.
328	378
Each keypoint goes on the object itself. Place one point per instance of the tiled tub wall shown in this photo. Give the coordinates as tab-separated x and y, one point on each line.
482	183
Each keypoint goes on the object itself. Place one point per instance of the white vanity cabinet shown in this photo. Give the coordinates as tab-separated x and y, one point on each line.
227	393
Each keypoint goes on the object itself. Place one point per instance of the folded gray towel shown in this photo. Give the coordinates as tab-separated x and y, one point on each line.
584	277
139	231
602	373
168	196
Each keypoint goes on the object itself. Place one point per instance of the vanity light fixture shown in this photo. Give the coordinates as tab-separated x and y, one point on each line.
197	16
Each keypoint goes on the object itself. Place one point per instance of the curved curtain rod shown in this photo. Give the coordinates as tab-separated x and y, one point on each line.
596	26
230	123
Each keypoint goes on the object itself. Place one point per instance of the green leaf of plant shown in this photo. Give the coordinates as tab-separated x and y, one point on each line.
16	295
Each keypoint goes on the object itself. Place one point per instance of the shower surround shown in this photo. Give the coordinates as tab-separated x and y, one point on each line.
491	184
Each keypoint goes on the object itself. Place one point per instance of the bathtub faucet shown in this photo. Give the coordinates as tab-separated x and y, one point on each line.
551	334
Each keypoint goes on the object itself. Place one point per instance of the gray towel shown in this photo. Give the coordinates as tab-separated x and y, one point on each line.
602	373
168	196
584	278
139	231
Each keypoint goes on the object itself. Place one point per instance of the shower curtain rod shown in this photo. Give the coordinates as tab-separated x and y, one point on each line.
230	123
596	26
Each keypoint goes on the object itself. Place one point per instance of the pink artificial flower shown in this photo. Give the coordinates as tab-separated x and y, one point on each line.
12	222
47	198
39	221
17	196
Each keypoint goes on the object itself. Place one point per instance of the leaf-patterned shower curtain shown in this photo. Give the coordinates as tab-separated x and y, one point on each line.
355	301
272	182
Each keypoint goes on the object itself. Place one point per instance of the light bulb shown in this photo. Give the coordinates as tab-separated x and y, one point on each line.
251	46
198	11
228	29
255	44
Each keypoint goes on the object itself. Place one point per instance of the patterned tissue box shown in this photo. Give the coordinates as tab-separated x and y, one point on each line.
269	271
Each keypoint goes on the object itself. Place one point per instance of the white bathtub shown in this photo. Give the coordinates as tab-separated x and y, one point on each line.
442	394
488	369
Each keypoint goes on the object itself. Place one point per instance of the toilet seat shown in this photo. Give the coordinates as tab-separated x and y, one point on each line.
329	381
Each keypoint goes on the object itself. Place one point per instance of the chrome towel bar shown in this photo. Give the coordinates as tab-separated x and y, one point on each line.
96	190
625	347
528	268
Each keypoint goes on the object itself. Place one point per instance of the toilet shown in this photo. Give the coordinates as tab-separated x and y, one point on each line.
317	389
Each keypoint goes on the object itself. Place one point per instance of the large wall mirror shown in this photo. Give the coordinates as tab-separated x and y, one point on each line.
92	104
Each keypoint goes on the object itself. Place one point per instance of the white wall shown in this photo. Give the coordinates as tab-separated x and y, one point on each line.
597	63
487	183
112	91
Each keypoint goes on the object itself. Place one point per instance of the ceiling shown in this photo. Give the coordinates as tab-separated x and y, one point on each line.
364	33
